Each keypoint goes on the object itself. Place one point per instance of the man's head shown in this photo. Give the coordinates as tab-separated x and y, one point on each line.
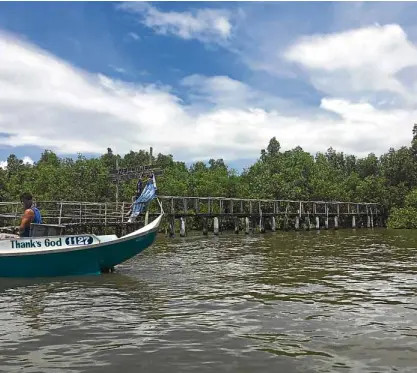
26	199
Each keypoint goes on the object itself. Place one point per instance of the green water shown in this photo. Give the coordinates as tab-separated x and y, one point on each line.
333	301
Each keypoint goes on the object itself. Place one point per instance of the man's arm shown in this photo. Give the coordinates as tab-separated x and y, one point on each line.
26	220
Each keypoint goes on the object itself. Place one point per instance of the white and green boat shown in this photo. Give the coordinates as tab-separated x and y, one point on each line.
68	255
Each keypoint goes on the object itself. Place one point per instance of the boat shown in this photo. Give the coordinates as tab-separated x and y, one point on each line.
75	255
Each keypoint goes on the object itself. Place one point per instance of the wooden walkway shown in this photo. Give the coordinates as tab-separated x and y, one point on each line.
205	212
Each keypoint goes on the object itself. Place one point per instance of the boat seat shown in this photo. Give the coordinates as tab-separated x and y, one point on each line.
45	230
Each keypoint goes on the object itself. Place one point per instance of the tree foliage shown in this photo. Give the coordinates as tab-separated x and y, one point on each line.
390	179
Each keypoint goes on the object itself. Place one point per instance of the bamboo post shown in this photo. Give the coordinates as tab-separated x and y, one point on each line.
60	214
326	222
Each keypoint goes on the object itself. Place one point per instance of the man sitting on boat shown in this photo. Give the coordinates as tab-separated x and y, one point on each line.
31	215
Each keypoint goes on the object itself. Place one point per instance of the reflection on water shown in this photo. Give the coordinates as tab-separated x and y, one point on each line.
335	301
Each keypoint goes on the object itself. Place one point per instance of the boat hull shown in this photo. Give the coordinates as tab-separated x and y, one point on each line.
65	256
88	261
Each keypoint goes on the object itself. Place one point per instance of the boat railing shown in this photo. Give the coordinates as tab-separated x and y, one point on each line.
68	213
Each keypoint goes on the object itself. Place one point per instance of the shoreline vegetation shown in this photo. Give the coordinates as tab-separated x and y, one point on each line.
390	179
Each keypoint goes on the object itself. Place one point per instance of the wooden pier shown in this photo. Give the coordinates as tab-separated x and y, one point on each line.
206	214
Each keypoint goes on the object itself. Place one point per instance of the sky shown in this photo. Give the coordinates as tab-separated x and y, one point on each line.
203	80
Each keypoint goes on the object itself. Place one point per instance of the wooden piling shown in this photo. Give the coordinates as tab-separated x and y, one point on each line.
236	225
261	225
285	225
297	223
254	225
182	228
273	224
247	228
216	226
172	227
205	227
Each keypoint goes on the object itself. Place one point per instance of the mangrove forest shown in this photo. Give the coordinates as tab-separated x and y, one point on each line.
389	179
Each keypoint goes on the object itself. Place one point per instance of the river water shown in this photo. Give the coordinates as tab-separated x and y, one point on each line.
329	301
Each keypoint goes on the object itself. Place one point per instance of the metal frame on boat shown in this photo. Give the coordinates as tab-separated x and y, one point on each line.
68	255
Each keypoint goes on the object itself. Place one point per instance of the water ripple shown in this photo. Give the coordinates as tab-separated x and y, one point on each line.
336	301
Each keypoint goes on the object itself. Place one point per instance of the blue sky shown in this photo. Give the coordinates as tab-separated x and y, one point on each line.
206	80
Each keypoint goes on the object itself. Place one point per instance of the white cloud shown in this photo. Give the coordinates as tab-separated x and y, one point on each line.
134	36
223	92
359	60
45	101
354	49
26	160
120	70
206	25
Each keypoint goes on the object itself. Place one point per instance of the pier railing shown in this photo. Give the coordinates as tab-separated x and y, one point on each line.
72	213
